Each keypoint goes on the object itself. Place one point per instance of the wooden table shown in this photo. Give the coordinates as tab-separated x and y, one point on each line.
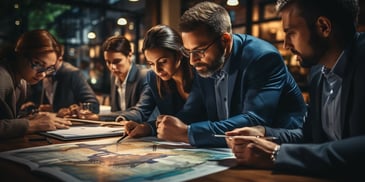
10	171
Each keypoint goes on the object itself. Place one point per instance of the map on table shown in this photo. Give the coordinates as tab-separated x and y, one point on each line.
144	159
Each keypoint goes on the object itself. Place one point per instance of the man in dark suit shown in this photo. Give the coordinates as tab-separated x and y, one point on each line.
321	33
134	87
63	88
243	81
128	80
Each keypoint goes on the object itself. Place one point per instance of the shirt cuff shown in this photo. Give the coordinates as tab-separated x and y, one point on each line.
119	119
191	136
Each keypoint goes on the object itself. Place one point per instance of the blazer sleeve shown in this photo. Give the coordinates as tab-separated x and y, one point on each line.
145	107
9	126
342	157
266	78
285	135
83	92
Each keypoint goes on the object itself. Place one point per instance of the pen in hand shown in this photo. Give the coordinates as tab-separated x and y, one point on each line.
263	137
125	135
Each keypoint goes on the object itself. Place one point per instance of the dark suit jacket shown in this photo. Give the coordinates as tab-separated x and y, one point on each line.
72	88
330	157
135	85
10	125
261	92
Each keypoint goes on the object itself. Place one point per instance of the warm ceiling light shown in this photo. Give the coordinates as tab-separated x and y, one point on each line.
17	22
133	0
122	21
232	2
91	35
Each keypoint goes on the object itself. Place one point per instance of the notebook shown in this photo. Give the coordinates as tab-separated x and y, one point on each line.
84	132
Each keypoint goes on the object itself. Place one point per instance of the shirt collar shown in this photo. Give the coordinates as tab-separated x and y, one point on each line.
117	80
223	71
338	68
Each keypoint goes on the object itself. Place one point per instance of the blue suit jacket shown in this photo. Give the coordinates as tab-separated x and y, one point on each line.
341	157
261	92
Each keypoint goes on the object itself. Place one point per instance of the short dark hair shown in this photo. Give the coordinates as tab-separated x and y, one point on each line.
117	43
342	13
211	16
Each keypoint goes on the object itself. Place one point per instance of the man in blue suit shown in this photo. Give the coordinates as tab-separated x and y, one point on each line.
322	33
243	82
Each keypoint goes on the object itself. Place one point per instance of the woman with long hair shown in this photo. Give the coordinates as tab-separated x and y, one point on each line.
169	81
35	55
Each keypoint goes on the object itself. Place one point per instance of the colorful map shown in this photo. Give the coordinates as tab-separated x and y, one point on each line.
131	160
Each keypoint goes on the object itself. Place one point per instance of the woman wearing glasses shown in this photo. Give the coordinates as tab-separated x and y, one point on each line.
169	82
128	79
62	89
36	54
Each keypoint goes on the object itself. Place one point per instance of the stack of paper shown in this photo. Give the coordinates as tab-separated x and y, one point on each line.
84	132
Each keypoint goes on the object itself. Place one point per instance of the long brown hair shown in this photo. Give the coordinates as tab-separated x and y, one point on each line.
163	36
37	42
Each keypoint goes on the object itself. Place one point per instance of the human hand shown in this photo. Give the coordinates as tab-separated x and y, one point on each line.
245	131
45	121
45	108
28	110
172	129
253	151
27	105
60	123
134	129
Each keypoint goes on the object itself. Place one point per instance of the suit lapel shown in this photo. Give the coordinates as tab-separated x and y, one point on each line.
315	118
318	99
128	90
346	85
113	94
234	63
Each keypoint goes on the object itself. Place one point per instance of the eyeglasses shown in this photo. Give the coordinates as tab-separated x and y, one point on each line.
200	53
37	66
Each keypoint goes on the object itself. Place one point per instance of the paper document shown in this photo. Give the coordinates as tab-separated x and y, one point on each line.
129	161
83	132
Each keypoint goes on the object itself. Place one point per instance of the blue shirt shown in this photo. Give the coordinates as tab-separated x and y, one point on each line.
221	94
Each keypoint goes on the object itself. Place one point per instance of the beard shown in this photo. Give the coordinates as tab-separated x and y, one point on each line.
319	46
210	69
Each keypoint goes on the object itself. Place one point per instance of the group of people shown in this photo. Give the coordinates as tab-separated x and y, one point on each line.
207	80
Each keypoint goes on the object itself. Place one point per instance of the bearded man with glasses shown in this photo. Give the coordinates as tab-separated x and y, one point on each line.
243	81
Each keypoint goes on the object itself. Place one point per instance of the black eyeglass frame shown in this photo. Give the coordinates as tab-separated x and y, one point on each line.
40	69
200	53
